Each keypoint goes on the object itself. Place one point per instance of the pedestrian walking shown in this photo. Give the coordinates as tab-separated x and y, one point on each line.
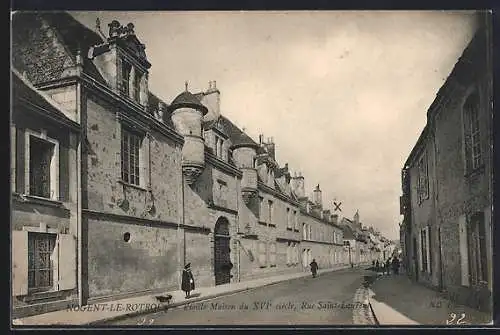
187	284
314	267
395	265
377	266
388	266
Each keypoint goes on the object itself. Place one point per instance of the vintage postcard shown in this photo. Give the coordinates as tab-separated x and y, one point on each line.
251	168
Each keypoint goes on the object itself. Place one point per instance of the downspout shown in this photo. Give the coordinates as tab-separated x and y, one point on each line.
238	246
181	250
81	297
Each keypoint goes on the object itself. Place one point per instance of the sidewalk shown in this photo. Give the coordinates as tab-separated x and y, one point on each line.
396	300
98	313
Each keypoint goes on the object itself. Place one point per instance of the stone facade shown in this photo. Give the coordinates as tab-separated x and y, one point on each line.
151	186
446	201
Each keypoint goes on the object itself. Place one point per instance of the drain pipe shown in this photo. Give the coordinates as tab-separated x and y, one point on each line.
238	250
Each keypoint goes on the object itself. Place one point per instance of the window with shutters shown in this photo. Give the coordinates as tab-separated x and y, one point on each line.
41	154
423	179
424	249
272	254
40	264
472	138
42	162
477	249
130	156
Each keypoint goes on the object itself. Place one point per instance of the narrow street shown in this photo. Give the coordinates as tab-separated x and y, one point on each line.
330	299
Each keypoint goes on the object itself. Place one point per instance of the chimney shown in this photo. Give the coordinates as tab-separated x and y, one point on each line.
298	185
335	218
261	139
317	199
270	148
211	99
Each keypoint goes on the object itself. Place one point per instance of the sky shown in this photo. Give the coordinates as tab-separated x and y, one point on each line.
344	95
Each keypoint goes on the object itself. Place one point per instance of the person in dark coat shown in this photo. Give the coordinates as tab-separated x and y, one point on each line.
314	267
377	266
388	266
187	284
395	265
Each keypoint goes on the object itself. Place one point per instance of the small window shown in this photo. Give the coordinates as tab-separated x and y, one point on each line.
130	156
40	266
41	155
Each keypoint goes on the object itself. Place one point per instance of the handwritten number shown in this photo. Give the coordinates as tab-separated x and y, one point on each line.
459	321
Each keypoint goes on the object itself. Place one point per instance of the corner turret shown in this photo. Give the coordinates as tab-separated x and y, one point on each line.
187	113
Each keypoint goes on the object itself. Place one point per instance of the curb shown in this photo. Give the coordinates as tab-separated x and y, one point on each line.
198	299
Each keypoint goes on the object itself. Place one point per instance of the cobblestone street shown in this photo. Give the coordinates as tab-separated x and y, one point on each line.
335	298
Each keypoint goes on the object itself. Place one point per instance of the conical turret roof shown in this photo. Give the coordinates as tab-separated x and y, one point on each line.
188	100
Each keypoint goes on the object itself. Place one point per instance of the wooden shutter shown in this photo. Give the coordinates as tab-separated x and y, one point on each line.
19	262
67	262
464	256
272	254
428	248
262	254
489	249
419	248
54	258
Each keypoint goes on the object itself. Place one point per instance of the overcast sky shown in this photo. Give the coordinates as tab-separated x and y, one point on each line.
343	94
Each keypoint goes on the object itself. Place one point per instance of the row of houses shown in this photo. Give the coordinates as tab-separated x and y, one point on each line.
114	190
446	232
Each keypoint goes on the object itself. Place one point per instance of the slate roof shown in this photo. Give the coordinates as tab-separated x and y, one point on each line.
348	233
49	63
23	92
189	100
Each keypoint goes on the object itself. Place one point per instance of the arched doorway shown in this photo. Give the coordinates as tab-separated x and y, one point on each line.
222	252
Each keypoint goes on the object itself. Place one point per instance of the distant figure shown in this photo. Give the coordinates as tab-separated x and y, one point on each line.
395	265
314	267
377	266
388	266
187	280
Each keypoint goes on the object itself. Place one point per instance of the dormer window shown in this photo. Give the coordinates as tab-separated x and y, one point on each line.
126	71
131	79
137	86
219	145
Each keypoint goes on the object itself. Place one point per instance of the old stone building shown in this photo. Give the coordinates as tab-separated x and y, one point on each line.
446	199
132	188
44	205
